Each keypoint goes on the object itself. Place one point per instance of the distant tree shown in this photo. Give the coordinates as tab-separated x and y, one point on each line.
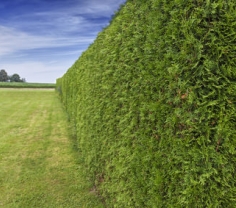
15	78
3	76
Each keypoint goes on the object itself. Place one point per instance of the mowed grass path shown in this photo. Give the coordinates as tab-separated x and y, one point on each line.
39	164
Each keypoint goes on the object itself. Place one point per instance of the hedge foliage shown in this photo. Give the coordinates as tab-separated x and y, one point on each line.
153	101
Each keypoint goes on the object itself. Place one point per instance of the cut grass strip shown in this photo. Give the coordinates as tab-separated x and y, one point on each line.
39	164
26	85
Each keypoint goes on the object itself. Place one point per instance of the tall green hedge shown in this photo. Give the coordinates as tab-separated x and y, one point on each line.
153	101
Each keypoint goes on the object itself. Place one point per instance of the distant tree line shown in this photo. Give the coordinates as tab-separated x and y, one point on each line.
4	77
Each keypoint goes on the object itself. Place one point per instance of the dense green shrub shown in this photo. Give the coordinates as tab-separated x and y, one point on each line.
153	101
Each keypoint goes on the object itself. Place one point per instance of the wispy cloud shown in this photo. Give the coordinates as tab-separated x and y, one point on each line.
13	40
55	31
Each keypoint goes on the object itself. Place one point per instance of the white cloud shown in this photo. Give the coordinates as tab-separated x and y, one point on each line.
42	43
55	28
13	40
105	7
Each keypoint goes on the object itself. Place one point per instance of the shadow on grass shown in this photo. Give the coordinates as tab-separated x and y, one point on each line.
77	154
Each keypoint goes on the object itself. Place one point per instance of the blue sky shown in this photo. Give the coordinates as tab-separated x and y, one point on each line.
41	39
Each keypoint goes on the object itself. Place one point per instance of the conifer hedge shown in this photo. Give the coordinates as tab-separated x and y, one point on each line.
153	101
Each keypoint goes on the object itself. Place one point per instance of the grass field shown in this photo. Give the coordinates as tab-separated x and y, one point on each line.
26	85
39	162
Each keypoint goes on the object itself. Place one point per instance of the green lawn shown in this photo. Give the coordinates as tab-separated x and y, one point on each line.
26	85
39	162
